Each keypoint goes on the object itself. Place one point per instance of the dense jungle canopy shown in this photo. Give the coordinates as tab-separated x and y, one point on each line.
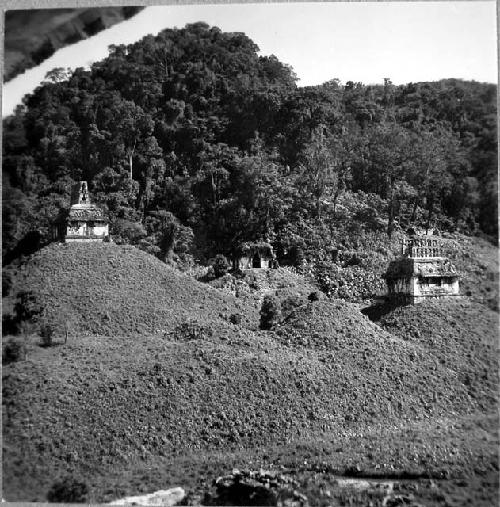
195	143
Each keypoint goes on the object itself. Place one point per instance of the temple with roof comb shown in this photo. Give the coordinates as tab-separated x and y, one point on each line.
422	272
83	221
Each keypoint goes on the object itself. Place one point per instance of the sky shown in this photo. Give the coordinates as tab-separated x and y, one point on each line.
350	41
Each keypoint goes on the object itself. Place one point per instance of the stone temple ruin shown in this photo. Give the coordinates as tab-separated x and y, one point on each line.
421	273
84	221
254	255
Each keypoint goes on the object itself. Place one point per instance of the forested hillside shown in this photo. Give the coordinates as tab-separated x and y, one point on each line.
194	144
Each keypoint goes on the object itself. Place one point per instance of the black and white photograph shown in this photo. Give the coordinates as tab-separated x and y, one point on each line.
250	253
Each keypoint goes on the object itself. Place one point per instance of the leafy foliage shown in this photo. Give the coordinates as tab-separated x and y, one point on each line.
26	307
188	331
269	312
194	144
13	350
220	265
352	283
68	490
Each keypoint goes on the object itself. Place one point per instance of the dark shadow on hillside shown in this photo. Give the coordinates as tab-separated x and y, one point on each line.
376	311
28	245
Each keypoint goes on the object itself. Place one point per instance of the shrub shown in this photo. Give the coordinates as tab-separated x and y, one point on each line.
68	490
46	333
353	283
26	307
269	312
127	231
13	351
314	296
297	256
252	281
235	318
220	266
289	304
191	331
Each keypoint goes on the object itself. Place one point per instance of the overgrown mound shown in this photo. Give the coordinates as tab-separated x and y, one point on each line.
462	335
108	289
327	325
444	351
117	401
102	403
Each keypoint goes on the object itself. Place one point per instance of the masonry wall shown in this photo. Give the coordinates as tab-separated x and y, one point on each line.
247	263
436	286
83	233
415	290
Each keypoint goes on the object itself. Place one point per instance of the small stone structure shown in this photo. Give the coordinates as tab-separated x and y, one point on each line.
84	221
254	255
421	273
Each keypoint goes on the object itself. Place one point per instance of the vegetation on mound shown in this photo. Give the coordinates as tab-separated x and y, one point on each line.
159	366
102	402
180	366
462	335
290	288
109	289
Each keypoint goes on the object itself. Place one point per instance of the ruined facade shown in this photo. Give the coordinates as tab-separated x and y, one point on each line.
421	273
83	221
257	255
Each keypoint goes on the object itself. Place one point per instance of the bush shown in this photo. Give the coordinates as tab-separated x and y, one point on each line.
68	490
297	256
46	333
13	351
289	304
26	307
127	231
220	266
269	312
191	331
352	283
314	296
235	318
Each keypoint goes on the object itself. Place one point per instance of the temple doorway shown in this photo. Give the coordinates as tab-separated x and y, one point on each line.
256	261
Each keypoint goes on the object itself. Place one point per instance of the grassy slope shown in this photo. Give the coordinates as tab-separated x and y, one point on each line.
107	289
462	335
127	402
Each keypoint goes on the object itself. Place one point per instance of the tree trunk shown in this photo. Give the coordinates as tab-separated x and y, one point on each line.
430	210
414	211
214	190
390	224
335	198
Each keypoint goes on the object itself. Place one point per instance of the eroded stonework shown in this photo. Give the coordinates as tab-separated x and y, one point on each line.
421	273
254	255
84	221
